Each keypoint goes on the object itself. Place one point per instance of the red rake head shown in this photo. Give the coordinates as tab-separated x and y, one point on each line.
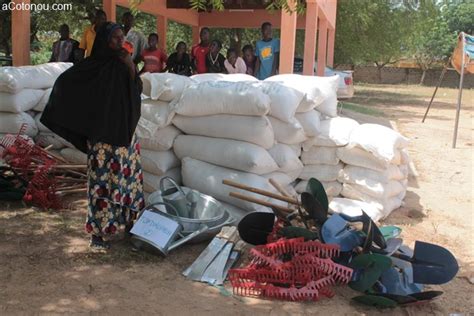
290	269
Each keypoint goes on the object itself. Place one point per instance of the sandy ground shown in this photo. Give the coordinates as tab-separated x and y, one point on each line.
47	268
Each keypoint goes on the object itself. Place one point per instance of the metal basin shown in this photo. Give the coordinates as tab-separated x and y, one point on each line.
206	210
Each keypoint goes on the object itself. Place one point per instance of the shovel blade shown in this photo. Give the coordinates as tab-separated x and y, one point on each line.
433	264
254	228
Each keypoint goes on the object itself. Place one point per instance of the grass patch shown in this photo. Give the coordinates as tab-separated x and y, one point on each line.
361	109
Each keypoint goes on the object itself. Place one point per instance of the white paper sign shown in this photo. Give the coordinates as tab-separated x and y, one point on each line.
156	228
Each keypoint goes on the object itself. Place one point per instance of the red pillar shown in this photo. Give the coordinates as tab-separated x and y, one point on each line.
161	28
322	44
287	39
110	9
21	36
331	39
310	37
196	39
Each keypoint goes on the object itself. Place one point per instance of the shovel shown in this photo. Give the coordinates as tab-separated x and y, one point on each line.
368	224
430	264
255	227
316	189
312	206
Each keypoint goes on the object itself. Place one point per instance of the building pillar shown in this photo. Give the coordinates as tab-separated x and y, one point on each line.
20	28
322	44
161	28
287	39
110	9
331	41
311	29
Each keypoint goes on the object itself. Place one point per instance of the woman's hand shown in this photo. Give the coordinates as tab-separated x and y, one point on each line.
126	58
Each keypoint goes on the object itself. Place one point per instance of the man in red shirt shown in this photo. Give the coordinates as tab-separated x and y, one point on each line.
200	51
153	57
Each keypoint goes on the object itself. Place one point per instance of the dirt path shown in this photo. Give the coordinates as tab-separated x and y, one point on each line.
46	267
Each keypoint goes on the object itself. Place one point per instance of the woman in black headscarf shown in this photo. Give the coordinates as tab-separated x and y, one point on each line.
95	105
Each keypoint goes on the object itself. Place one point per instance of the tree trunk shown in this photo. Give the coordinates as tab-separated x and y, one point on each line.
236	40
423	75
379	73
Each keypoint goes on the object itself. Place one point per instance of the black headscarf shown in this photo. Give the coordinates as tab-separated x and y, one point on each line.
95	99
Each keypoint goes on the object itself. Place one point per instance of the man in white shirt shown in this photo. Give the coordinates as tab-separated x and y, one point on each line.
133	36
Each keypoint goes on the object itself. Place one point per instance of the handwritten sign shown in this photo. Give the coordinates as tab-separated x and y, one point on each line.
159	230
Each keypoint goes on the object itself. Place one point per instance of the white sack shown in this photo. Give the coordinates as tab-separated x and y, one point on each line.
281	178
158	162
325	173
10	123
378	190
222	97
283	100
253	129
354	207
385	205
15	79
320	155
383	142
22	101
43	101
162	140
158	112
296	148
49	139
352	174
223	77
151	182
285	158
207	178
40	126
361	158
304	84
164	86
74	156
287	133
328	87
332	188
311	122
334	132
226	153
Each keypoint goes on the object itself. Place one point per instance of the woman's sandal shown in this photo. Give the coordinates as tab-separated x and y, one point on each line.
98	243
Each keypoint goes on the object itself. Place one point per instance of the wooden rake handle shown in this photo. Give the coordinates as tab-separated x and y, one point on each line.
261	192
260	202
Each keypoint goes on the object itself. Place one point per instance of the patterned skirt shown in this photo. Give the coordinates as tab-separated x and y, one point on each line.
115	186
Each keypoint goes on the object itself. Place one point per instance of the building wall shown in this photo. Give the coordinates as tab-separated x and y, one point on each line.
392	75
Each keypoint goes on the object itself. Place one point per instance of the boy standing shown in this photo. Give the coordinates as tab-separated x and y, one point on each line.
267	52
153	57
200	51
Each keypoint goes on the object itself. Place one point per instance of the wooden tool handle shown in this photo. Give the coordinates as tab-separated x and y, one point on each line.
261	192
279	187
260	202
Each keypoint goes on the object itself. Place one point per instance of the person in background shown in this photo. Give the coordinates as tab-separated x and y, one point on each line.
88	36
268	52
64	49
95	105
249	59
200	51
153	57
179	62
215	60
234	64
133	36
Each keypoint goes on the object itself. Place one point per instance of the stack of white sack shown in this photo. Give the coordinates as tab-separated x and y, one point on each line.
229	136
155	132
377	167
319	154
21	90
